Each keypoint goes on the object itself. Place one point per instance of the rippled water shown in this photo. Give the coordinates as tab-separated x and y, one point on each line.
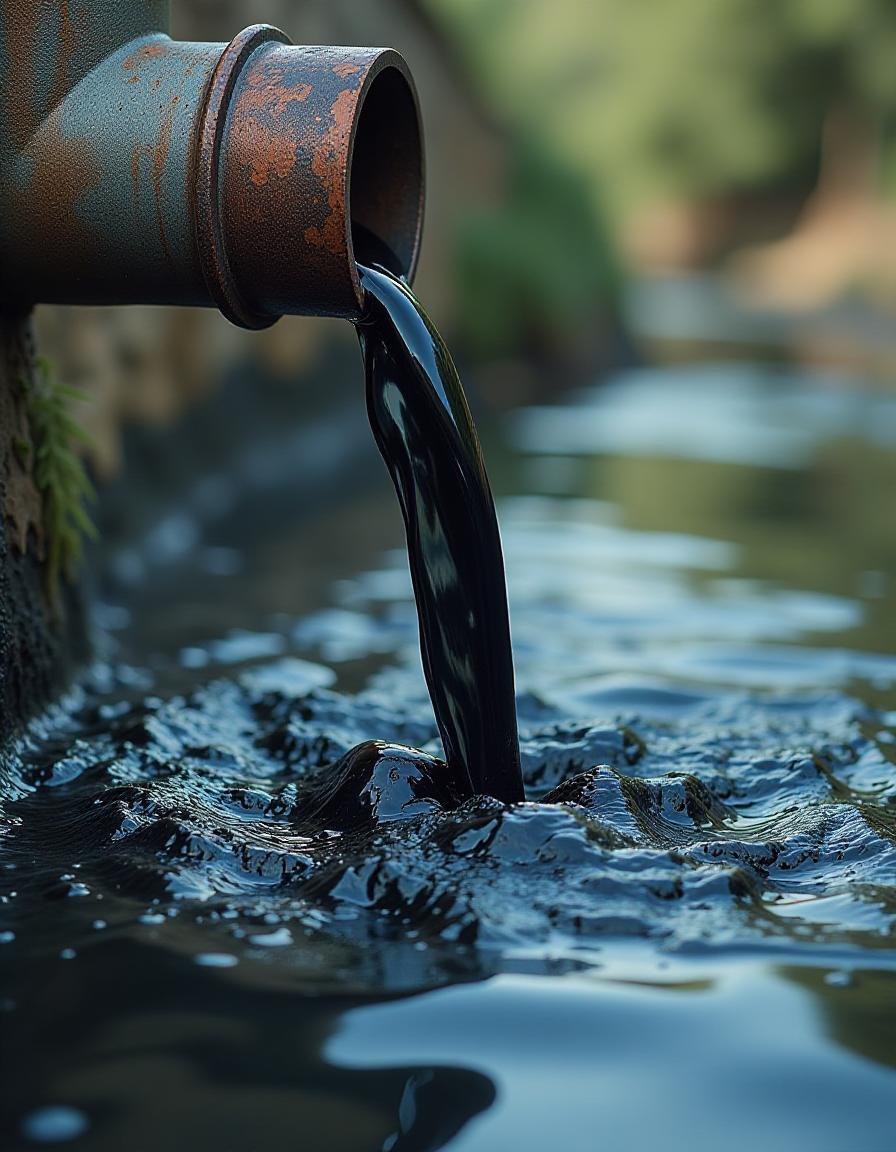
218	934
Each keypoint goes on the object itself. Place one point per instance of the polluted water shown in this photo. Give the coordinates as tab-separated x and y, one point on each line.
424	430
295	898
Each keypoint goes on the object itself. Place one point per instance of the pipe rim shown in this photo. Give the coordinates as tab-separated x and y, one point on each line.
389	62
210	243
385	140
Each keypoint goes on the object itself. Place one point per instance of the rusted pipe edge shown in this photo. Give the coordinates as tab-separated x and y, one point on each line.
212	250
388	58
251	167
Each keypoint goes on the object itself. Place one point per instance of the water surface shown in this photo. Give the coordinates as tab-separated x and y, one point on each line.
683	939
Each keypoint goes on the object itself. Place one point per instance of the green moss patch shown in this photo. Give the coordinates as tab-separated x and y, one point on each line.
58	472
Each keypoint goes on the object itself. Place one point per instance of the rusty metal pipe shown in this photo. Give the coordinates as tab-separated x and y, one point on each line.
135	169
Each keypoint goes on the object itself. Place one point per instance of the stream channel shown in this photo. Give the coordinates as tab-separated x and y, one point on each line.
689	947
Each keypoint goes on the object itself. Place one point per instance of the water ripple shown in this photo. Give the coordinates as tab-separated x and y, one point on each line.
241	806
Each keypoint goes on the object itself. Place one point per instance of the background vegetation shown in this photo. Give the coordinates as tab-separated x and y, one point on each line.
704	127
686	98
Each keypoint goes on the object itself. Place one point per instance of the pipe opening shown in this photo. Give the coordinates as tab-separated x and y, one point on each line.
386	183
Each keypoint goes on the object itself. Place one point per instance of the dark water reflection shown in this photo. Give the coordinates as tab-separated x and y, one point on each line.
683	940
158	1050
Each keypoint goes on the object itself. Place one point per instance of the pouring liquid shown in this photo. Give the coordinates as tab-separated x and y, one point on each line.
422	425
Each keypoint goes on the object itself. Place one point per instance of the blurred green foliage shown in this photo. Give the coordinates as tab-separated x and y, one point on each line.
533	272
654	99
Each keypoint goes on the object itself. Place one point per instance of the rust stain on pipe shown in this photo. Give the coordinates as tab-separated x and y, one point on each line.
195	173
329	166
272	154
63	170
144	52
211	245
270	93
275	156
22	22
136	156
69	35
286	170
159	160
21	76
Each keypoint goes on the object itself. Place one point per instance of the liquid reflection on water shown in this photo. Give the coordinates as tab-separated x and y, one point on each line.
660	1061
695	909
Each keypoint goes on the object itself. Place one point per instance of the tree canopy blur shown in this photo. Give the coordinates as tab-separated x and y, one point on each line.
657	99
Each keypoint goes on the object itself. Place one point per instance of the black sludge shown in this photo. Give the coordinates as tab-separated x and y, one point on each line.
426	435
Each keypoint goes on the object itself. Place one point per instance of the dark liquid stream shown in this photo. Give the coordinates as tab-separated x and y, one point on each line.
424	430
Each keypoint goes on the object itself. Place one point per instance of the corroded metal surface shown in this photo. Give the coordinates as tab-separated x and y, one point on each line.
48	46
137	169
211	243
99	191
287	175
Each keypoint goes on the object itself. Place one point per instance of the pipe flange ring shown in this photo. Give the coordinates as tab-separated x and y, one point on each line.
212	249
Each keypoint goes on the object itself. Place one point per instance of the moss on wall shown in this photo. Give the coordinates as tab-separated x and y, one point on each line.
40	645
58	473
